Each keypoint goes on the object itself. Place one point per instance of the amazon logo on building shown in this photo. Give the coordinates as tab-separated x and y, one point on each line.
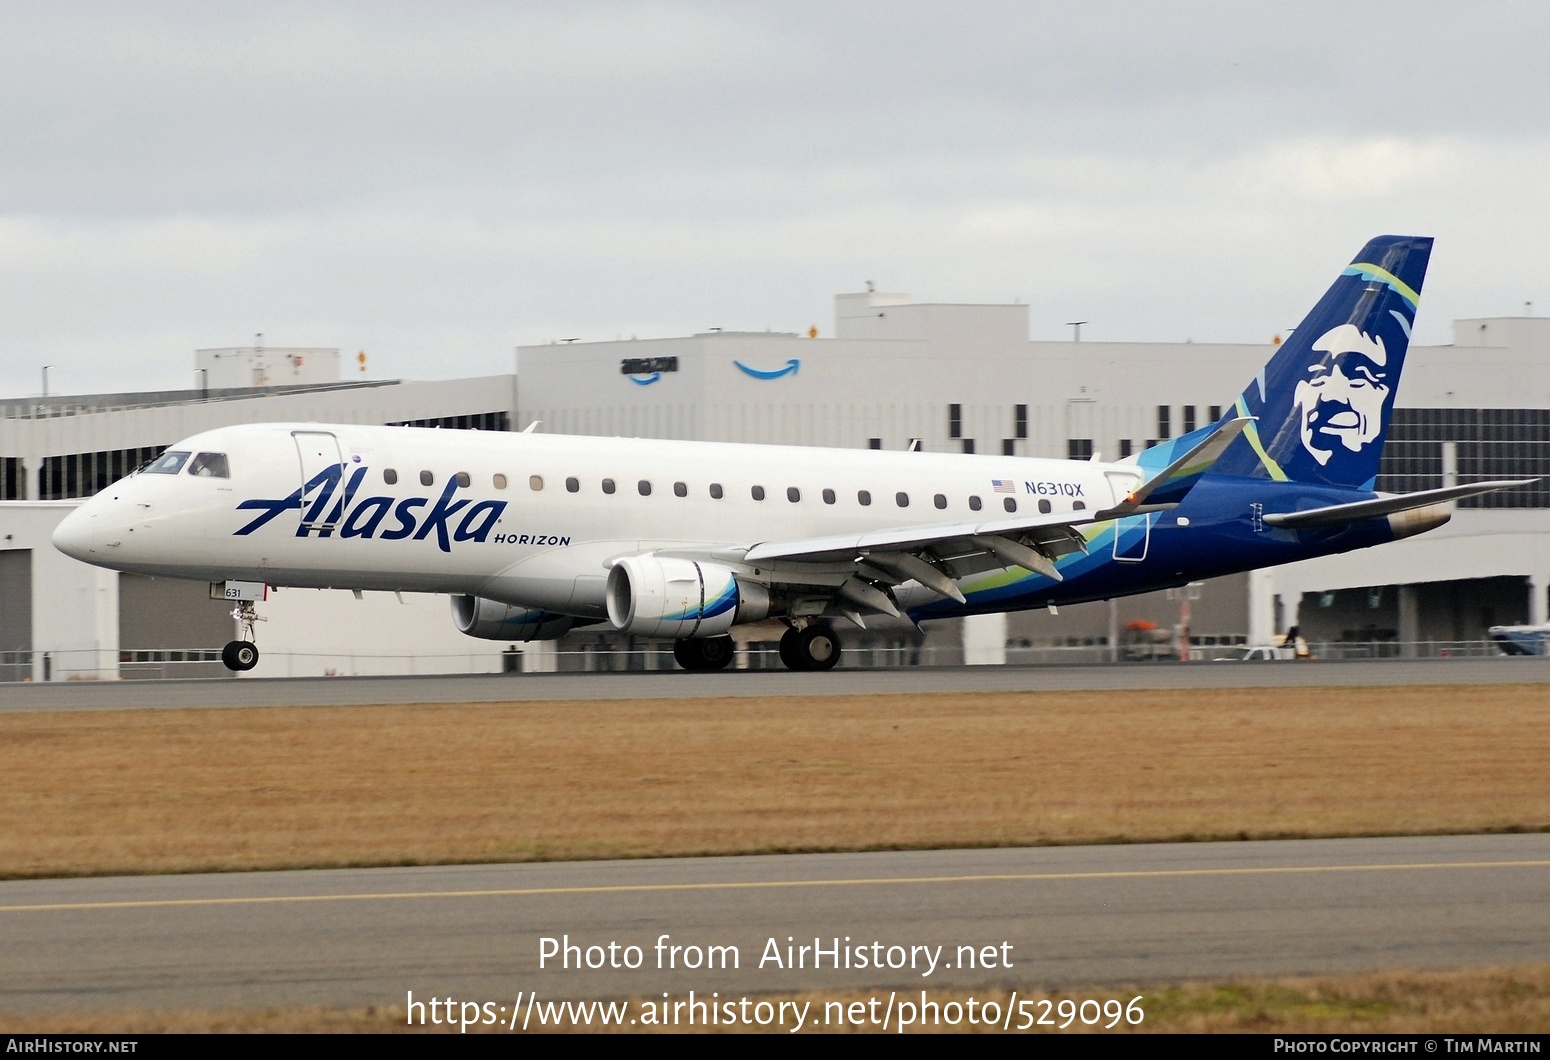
790	368
647	370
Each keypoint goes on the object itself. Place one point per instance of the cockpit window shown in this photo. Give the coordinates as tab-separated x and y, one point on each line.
209	465
166	464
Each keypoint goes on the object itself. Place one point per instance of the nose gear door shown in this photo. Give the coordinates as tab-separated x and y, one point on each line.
321	466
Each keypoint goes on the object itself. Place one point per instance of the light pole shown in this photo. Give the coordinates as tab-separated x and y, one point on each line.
1184	594
1076	329
46	367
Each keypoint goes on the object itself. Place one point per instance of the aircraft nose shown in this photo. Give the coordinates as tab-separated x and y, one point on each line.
75	535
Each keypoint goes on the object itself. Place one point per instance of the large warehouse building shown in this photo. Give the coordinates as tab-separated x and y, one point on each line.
87	623
959	378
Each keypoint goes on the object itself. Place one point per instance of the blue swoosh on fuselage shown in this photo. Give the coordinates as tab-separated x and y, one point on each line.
1220	539
790	369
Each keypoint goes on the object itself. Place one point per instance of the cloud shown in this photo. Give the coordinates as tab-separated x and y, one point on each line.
438	185
621	44
36	246
1324	169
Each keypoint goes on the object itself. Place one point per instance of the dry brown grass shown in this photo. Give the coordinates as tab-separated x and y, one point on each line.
188	790
1477	1001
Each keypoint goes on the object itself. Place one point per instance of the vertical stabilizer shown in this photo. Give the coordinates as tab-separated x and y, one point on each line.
1321	406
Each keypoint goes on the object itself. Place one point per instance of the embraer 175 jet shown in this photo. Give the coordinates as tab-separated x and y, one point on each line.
535	535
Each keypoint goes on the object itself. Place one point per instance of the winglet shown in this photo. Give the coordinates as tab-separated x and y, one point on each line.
1169	486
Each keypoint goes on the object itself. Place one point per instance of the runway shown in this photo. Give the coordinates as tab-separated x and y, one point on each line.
1041	916
665	684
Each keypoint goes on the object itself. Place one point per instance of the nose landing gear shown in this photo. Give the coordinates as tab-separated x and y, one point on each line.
241	655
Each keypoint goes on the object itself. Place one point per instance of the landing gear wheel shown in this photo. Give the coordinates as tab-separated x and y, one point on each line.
788	650
711	653
717	652
240	655
815	647
819	647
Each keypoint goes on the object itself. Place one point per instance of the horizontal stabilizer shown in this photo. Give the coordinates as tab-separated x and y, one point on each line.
1337	514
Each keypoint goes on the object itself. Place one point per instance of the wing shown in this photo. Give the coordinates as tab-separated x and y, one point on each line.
849	574
854	573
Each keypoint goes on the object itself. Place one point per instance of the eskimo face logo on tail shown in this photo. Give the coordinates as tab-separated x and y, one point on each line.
364	518
1340	403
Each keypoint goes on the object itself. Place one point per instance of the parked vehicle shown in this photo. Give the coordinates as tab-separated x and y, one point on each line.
1263	653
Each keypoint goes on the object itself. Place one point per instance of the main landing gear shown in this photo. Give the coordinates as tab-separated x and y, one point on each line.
242	655
812	647
707	653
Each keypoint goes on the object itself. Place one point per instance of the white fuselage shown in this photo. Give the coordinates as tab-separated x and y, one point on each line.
534	525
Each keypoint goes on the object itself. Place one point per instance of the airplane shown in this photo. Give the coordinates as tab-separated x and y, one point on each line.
534	535
1521	640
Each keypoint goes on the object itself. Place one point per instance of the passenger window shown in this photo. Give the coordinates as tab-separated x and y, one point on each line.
463	480
1078	506
974	504
793	494
572	485
500	482
209	465
902	499
535	482
390	476
167	464
644	487
1010	504
608	485
863	498
758	493
828	496
715	491
1044	507
427	479
939	500
680	490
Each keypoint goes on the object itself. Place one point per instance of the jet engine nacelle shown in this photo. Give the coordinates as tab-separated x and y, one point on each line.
679	598
493	620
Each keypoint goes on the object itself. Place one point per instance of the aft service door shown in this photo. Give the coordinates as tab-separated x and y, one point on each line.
1132	536
318	452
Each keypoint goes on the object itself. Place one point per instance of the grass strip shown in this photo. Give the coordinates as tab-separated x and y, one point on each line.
154	791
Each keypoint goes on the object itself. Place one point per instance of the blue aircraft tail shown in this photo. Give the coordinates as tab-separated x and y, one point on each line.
1321	406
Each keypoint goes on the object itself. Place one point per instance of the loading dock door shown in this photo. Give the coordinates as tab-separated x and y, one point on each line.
16	614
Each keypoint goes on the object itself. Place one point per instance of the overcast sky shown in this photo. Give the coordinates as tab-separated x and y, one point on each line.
436	184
